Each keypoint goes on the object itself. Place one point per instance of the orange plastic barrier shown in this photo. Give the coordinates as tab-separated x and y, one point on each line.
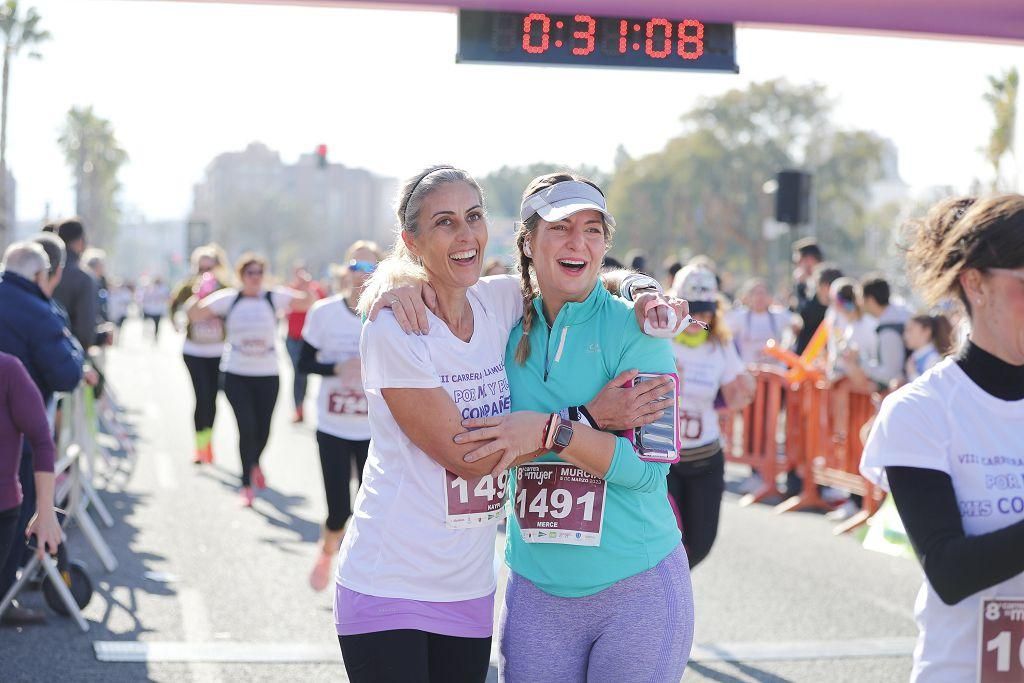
750	435
826	444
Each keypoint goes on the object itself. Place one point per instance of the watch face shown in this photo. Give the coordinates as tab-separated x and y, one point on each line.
562	435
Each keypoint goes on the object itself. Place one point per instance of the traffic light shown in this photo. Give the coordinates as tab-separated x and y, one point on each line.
321	156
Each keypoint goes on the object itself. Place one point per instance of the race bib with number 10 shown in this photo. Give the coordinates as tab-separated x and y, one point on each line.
559	503
474	502
1001	656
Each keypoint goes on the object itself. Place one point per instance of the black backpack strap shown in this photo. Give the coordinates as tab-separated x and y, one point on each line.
238	297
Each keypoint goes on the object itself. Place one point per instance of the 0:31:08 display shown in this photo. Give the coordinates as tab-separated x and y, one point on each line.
658	38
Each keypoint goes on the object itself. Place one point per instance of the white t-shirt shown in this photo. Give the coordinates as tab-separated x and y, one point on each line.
943	421
251	329
751	331
333	329
398	545
702	371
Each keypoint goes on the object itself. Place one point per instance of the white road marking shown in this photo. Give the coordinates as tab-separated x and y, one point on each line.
306	653
196	627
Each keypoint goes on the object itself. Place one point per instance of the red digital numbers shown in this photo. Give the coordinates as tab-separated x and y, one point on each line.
664	27
587	35
662	35
545	36
695	41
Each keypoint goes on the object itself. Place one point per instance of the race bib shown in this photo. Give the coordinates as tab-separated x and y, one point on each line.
1001	656
253	346
474	502
346	402
691	425
559	503
207	331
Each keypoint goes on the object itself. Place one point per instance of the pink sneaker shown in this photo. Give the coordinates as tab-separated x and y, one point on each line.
258	480
247	496
321	574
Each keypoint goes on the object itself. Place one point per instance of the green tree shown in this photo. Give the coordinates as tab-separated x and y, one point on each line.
18	33
92	152
1002	98
703	191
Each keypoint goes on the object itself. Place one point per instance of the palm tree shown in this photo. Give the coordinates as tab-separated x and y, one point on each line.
18	33
95	157
1002	97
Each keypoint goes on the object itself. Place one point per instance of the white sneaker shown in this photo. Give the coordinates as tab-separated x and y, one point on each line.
843	512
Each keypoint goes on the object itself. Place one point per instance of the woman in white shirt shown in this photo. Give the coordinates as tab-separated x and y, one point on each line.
249	364
852	333
708	363
330	348
756	322
950	447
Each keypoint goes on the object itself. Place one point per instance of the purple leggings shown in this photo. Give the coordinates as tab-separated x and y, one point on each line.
639	629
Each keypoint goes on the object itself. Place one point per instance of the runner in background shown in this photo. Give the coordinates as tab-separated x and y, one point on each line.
204	343
707	364
949	446
929	337
249	365
301	281
119	304
331	348
153	300
756	321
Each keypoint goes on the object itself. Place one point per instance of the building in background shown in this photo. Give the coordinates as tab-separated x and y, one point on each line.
310	210
148	249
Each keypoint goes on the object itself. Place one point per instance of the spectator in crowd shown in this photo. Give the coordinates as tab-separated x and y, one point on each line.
77	291
756	321
929	338
637	260
812	312
807	259
57	255
32	330
95	260
23	419
670	267
885	366
851	331
301	281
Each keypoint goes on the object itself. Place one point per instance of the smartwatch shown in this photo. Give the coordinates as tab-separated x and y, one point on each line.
561	436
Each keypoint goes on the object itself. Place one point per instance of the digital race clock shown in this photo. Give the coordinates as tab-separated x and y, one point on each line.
587	40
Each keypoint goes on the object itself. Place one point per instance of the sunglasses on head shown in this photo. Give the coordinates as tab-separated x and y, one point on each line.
362	266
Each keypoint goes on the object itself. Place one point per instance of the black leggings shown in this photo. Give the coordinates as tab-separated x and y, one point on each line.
252	399
8	532
205	374
336	456
156	323
409	656
696	488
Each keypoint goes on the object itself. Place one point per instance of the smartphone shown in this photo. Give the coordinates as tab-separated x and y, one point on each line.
659	441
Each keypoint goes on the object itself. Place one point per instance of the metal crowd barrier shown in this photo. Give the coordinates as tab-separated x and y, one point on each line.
76	472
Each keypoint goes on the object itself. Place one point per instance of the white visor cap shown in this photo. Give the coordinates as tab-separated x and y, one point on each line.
562	200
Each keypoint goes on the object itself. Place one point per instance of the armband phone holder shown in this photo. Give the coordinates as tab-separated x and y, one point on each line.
659	441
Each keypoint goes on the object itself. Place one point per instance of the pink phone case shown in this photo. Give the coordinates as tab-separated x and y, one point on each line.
659	441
